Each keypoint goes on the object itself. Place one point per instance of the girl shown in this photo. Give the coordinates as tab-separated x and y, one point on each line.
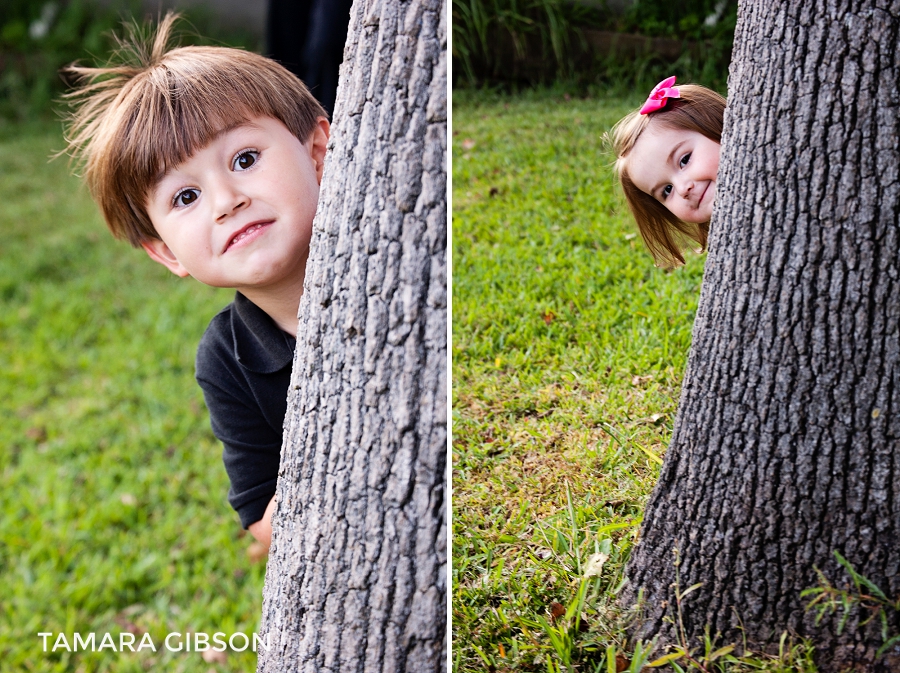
667	156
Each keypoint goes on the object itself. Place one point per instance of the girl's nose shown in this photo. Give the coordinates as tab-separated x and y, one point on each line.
684	186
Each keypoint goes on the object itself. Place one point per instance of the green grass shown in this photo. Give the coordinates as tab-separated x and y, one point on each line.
568	351
113	511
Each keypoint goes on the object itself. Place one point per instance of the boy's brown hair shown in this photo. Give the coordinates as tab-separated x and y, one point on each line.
154	106
698	109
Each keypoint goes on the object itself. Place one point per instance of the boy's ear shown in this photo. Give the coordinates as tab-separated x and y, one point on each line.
319	144
159	252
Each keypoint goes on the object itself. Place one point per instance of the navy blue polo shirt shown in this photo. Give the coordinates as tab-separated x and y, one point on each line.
244	368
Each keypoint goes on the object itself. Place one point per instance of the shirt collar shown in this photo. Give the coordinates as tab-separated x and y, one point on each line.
259	344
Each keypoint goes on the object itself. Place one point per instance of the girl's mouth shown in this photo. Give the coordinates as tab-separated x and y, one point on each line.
703	195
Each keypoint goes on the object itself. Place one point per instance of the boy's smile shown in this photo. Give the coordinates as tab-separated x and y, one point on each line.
678	168
238	213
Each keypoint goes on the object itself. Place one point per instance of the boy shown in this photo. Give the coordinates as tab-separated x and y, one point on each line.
210	159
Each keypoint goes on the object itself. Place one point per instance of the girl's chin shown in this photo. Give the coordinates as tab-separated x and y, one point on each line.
698	217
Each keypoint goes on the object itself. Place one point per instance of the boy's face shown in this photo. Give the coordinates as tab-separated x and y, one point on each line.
678	168
238	213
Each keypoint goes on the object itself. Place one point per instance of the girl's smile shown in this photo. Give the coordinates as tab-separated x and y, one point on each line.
677	168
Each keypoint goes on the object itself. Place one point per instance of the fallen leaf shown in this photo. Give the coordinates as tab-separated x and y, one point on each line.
594	564
548	317
557	610
256	552
215	657
128	499
622	663
38	434
122	620
640	380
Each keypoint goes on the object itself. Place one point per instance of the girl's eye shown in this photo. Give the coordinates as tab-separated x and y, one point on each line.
684	160
186	197
666	190
245	160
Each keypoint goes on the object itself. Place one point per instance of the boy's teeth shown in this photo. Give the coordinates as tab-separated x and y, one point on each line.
245	233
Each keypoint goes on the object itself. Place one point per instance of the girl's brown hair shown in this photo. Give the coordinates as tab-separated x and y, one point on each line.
698	109
154	106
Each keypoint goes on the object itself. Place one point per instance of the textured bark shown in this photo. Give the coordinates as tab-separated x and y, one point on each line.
356	578
785	448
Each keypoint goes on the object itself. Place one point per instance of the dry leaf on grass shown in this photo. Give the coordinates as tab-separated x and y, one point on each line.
215	657
257	552
557	610
595	564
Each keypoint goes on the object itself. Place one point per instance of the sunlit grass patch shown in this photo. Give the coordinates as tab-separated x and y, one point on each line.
568	351
113	511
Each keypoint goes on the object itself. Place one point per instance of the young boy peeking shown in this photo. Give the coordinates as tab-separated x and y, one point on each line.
210	159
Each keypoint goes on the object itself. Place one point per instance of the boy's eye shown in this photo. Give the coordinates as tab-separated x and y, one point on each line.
245	160
186	197
666	190
684	160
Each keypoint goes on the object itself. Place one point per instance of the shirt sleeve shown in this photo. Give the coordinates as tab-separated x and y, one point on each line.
251	451
246	410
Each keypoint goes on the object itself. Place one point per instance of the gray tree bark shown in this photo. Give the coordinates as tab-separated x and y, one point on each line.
785	447
356	577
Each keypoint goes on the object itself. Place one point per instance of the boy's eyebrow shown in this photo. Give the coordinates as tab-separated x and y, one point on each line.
215	136
249	123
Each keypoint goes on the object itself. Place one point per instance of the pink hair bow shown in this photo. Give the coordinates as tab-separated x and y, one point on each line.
661	93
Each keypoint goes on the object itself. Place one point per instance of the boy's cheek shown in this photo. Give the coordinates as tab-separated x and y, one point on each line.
159	252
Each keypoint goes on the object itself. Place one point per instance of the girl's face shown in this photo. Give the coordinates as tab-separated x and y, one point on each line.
677	168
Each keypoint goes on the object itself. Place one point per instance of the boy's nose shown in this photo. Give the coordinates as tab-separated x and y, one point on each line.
229	202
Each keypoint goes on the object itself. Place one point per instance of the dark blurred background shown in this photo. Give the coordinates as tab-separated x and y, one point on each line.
38	37
581	44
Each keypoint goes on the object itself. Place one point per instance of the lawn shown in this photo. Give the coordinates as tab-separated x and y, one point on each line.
113	511
569	347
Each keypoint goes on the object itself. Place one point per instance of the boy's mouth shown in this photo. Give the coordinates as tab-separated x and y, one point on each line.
246	233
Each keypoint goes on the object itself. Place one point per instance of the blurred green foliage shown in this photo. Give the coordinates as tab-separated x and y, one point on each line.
36	40
39	38
689	19
490	35
113	510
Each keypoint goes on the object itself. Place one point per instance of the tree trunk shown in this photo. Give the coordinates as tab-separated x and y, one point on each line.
785	448
356	578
